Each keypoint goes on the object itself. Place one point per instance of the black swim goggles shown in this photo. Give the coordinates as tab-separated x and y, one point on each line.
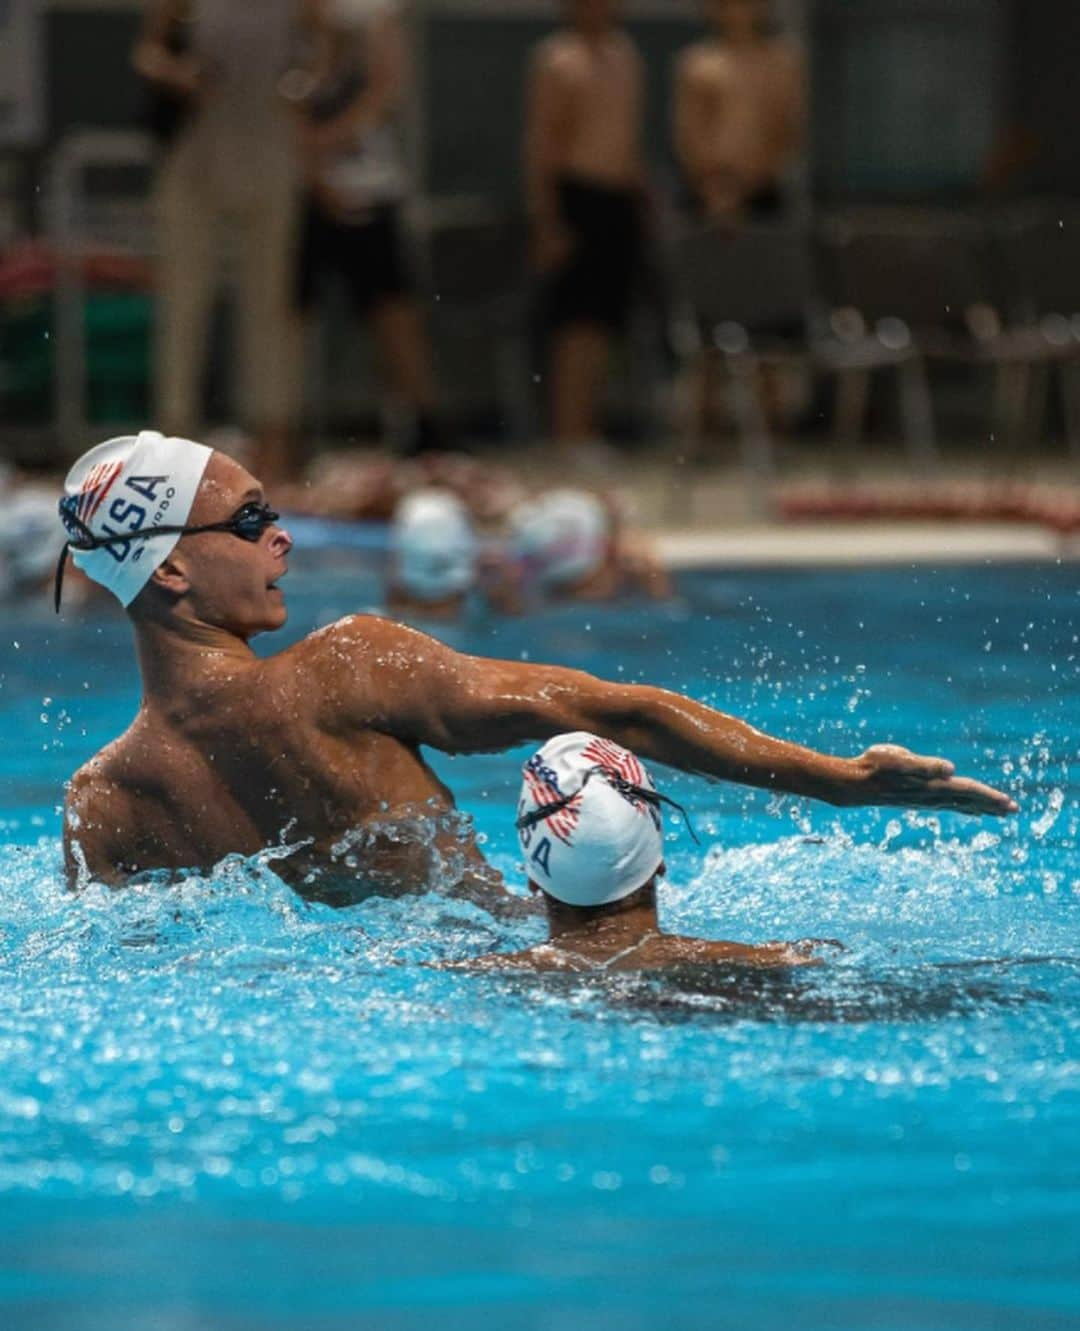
617	782
248	522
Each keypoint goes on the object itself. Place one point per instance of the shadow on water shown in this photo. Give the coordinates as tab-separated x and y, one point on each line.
688	993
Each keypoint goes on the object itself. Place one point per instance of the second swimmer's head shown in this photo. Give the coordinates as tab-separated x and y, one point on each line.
589	823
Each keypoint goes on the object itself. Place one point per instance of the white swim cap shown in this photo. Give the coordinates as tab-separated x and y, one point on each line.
128	484
604	843
433	545
30	540
560	537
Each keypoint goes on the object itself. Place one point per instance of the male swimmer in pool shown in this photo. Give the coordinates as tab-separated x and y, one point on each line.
315	754
590	829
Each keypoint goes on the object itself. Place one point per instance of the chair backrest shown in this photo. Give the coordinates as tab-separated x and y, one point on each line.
929	270
475	264
1038	249
759	277
100	193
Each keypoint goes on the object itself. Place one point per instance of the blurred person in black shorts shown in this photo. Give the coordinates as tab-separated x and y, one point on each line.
584	180
352	228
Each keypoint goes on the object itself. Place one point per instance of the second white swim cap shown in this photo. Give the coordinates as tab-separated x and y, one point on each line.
602	843
433	546
560	537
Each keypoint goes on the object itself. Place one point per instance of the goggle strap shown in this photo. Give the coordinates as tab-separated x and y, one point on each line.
92	542
58	581
545	811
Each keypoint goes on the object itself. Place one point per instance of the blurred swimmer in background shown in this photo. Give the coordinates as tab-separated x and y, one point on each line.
572	545
434	557
29	538
590	829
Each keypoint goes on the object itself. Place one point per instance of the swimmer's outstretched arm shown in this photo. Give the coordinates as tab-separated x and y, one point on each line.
384	676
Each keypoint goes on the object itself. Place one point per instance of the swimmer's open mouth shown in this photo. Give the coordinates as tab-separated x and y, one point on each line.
273	586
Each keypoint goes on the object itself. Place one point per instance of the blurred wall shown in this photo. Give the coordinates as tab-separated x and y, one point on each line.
909	95
1045	44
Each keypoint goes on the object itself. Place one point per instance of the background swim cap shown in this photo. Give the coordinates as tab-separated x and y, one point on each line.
131	483
30	540
560	537
604	844
433	546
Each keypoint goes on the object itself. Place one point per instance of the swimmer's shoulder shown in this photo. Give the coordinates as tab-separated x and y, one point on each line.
98	810
363	668
106	777
353	640
124	777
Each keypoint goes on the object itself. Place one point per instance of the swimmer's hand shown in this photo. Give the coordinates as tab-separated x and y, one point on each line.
891	775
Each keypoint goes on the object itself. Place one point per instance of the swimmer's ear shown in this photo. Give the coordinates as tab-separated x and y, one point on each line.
171	576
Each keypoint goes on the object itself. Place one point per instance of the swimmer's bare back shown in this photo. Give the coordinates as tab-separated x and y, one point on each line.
320	747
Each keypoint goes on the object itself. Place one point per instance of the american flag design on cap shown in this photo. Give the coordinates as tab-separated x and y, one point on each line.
602	843
91	494
543	785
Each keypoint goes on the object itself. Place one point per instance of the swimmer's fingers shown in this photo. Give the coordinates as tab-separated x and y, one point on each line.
963	795
894	775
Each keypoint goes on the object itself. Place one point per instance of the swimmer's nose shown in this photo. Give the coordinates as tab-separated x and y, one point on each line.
280	541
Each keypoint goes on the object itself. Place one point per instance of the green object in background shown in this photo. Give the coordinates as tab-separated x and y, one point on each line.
118	330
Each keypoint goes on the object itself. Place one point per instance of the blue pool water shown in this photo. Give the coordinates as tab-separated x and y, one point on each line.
223	1108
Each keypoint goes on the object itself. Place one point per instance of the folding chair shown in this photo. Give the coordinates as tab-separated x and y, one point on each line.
476	276
930	273
748	301
98	196
1038	250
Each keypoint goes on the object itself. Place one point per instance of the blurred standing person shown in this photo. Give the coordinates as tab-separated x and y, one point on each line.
585	191
740	112
229	157
356	183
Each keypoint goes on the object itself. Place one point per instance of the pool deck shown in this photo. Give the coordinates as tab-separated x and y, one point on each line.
707	516
854	544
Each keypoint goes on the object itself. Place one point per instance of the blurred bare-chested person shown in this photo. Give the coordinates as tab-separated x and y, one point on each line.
740	111
584	178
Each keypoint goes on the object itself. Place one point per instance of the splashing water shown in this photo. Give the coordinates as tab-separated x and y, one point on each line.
221	1106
